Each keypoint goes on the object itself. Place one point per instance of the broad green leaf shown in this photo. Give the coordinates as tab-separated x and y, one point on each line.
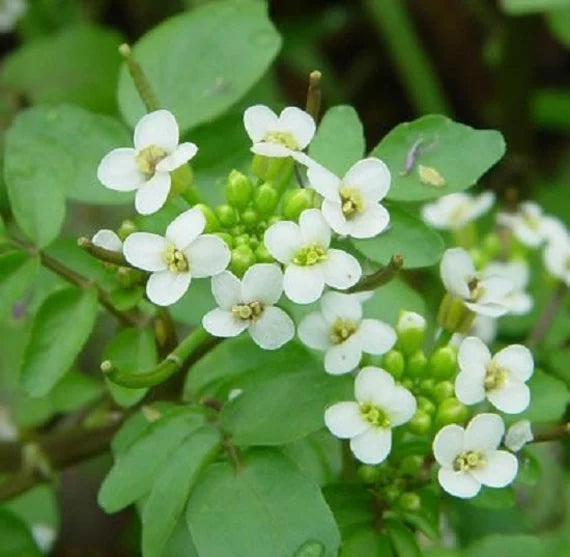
77	138
458	153
285	407
390	299
520	7
339	141
268	508
61	328
549	398
352	506
226	47
408	236
132	351
17	271
15	538
366	542
168	497
403	540
492	498
39	505
135	469
79	65
499	545
180	543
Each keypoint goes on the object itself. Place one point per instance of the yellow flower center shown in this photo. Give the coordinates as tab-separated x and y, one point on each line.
469	460
148	158
532	221
351	201
176	260
495	376
475	289
374	415
310	255
247	312
342	329
282	138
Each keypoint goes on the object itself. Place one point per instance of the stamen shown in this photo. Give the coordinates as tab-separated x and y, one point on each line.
247	312
375	415
310	255
342	329
469	460
351	201
495	377
282	138
148	158
176	260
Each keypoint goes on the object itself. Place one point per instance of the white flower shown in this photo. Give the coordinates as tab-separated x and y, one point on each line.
517	272
410	320
249	304
527	224
484	295
107	239
454	211
286	135
351	205
483	327
147	167
501	378
556	257
310	264
380	406
340	331
44	536
518	435
173	260
469	457
10	12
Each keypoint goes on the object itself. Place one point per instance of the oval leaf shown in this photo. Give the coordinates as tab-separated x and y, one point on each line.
17	271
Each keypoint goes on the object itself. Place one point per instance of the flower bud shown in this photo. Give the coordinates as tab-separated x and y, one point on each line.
450	411
242	240
181	179
443	362
426	386
479	258
410	465
268	169
426	405
417	364
127	227
262	254
409	501
369	474
273	219
227	215
443	390
212	222
420	423
454	316
411	329
265	199
249	216
391	492
295	202
242	258
227	238
238	189
393	362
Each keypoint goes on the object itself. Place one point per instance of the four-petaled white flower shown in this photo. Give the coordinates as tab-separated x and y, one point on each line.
340	331
249	304
380	406
173	260
309	261
147	167
351	205
500	378
518	435
529	224
517	272
107	239
454	211
486	296
556	256
285	135
469	457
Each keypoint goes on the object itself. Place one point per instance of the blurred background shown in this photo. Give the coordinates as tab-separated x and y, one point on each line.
490	64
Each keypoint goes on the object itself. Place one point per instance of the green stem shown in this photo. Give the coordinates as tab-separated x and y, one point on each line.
314	95
106	255
380	277
443	338
140	80
547	317
553	433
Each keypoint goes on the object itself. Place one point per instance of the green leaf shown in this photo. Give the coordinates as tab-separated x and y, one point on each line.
61	328
520	7
226	47
17	271
460	154
39	505
558	23
403	540
407	235
168	497
352	505
492	498
283	408
268	508
548	400
366	542
135	469
498	545
339	141
132	351
15	538
79	65
195	304
78	140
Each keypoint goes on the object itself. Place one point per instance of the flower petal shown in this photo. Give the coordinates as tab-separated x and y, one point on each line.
448	444
299	123
314	331
145	251
152	195
401	406
182	154
226	288
271	150
499	471
165	288
373	446
344	357
371	222
185	228
157	128
458	484
495	289
222	323
469	388
118	170
473	357
373	385
456	271
207	256
376	337
371	176
314	228
341	270
107	239
283	240
488	309
335	305
332	212
273	329
303	285
512	398
262	282
517	359
324	182
518	435
344	420
484	432
258	121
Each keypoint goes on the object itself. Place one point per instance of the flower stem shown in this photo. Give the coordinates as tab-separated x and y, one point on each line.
140	80
106	255
547	318
553	433
380	277
313	106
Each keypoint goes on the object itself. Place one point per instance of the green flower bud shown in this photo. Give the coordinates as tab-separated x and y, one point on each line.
417	364
427	385
212	222
249	216
262	254
253	242
238	189
408	383
369	474
479	258
393	362
420	423
268	168
411	329
450	411
265	199
409	501
273	219
443	362
410	465
295	202
242	259
392	492
454	315
181	179
237	230
426	405
443	390
127	227
227	238
242	240
227	215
